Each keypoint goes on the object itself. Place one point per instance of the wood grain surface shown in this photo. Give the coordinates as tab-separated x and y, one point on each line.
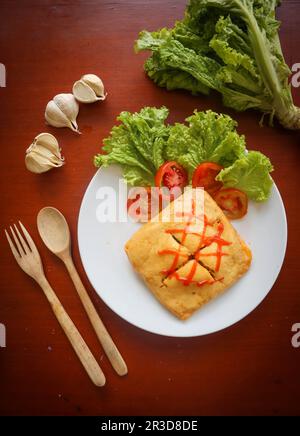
250	368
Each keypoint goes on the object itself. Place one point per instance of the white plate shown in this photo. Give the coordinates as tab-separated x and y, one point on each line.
102	252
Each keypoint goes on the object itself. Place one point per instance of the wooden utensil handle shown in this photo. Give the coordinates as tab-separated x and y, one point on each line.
104	337
80	347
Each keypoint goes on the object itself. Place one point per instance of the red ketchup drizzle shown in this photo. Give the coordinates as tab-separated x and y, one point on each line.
174	265
220	243
204	241
190	278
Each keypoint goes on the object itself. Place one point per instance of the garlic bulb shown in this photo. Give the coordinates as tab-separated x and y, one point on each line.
62	111
43	154
89	89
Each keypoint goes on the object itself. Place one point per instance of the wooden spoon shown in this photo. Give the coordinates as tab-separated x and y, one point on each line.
55	233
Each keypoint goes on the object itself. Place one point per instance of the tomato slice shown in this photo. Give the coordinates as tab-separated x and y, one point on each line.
172	175
205	177
140	203
233	202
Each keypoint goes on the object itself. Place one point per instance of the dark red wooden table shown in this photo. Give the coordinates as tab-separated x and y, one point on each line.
250	368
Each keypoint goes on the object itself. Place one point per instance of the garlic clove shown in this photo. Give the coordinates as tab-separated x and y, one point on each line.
68	105
55	117
43	154
62	111
39	164
48	141
84	93
89	89
96	84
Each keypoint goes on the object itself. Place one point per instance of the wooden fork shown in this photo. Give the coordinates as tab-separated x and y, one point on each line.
28	258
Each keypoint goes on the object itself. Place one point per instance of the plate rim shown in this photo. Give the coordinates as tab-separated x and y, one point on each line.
189	335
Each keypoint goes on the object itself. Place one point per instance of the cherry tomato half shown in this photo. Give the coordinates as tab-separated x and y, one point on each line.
205	177
233	202
172	175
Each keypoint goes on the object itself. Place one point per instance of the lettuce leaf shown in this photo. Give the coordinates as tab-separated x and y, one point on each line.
251	175
135	176
137	144
143	141
231	46
208	137
172	55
